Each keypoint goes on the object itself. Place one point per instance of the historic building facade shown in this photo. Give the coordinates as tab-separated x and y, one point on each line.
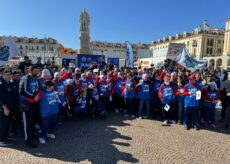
47	48
205	43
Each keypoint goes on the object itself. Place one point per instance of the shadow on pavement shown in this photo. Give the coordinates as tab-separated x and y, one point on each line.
85	140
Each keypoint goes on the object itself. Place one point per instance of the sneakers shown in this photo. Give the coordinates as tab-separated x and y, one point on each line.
213	126
186	127
165	123
50	135
197	127
30	144
6	143
42	140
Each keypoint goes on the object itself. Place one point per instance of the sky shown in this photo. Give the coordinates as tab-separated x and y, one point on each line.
136	21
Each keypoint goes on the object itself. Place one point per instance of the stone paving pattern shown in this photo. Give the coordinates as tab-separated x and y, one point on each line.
120	140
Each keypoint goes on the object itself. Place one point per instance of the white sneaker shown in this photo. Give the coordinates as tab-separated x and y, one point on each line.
42	140
52	136
133	116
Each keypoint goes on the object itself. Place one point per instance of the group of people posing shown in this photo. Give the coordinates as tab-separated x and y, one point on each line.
38	97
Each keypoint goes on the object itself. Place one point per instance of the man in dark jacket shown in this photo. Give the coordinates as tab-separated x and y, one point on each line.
6	92
25	64
225	88
28	90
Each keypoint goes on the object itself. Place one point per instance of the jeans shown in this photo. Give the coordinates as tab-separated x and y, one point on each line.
48	124
129	105
141	104
209	114
190	111
180	111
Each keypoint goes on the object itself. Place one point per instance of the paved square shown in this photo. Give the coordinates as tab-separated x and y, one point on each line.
117	140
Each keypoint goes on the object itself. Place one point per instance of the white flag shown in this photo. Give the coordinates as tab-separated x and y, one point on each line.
185	60
8	49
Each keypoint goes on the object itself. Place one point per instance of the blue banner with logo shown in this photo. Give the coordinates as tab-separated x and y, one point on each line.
85	60
113	61
66	62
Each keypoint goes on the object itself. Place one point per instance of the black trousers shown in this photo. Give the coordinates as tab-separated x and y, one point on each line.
29	120
4	126
119	102
223	111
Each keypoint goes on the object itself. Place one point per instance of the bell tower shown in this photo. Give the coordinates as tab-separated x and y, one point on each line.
84	37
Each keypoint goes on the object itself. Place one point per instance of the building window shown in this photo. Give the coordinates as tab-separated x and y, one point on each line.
219	41
187	44
210	50
26	47
194	51
37	48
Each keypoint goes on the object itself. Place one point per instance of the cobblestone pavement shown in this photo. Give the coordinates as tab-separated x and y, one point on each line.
119	140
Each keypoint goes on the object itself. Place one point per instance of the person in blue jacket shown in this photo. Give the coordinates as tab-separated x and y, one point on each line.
80	106
144	95
60	89
96	105
155	101
191	103
129	95
166	94
119	101
210	97
48	110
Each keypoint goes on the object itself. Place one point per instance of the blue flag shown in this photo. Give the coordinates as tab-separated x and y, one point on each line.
129	55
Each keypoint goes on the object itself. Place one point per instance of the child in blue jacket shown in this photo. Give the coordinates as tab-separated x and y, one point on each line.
48	110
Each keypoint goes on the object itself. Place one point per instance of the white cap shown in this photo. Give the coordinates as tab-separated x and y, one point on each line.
56	74
77	69
45	72
95	70
69	81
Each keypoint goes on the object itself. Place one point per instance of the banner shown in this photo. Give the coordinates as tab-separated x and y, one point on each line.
113	61
66	62
173	50
8	49
129	55
185	60
85	60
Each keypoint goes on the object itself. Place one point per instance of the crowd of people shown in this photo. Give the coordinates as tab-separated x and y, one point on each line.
36	97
